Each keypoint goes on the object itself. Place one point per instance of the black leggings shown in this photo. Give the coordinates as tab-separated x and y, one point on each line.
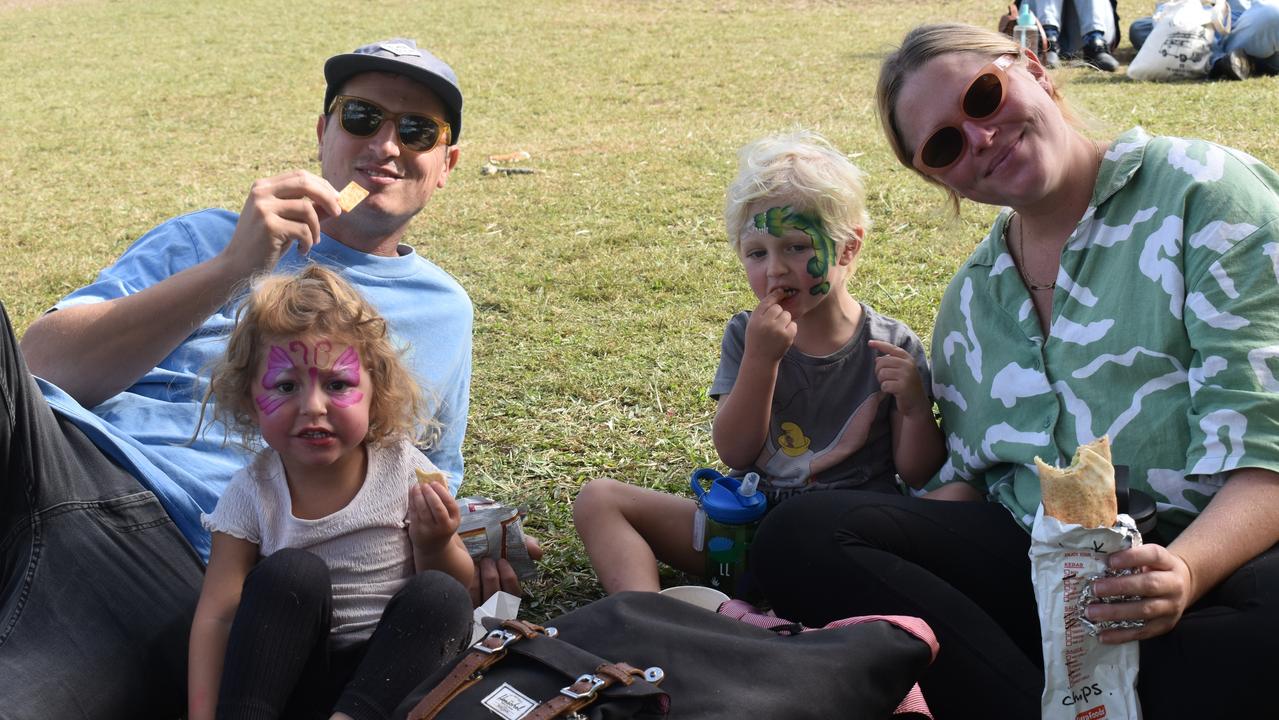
279	663
963	567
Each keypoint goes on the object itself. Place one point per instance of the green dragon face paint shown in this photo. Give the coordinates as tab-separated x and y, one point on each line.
776	221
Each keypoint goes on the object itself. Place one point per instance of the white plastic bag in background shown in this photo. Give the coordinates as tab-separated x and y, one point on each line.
1180	44
1083	679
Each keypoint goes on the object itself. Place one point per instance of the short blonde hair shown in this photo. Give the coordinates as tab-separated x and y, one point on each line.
316	301
923	44
803	170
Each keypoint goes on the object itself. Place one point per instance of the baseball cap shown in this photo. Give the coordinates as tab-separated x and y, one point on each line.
403	57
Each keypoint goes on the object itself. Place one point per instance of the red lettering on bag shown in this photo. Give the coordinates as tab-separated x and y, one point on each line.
1097	713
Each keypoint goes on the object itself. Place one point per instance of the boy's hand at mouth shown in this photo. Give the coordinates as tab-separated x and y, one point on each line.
771	330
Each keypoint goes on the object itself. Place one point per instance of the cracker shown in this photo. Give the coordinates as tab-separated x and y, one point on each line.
427	477
351	196
1083	493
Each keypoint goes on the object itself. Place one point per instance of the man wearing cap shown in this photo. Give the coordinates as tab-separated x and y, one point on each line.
101	545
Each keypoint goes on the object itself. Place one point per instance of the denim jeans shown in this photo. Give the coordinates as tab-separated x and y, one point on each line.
1254	30
1086	16
97	587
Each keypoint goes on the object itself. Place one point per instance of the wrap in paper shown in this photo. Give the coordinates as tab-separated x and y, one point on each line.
1083	679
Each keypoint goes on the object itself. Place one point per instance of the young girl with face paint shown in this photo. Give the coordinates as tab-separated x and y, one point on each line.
336	578
815	390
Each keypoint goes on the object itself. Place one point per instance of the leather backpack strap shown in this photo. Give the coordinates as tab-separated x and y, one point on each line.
585	690
469	670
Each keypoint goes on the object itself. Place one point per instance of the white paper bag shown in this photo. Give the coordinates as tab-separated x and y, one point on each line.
501	605
1083	679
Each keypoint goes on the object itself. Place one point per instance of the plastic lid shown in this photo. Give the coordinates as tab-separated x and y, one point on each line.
1025	19
724	503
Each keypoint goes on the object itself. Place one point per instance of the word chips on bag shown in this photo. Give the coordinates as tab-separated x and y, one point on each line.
1076	527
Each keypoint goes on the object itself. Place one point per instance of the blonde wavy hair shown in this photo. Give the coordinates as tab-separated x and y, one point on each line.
804	170
316	301
927	42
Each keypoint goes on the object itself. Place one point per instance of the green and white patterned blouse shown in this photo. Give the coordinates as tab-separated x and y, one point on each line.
1165	335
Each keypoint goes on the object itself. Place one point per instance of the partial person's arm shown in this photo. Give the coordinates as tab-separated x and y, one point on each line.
919	447
95	351
229	563
1242	519
957	491
1240	522
741	417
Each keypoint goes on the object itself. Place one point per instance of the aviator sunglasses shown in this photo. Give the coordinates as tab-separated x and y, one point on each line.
984	97
362	118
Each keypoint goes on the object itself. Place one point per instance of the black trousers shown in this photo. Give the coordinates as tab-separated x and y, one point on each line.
97	586
279	663
963	567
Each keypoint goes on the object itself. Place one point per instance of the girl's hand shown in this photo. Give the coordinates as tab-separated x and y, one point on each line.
898	375
1164	583
770	330
433	516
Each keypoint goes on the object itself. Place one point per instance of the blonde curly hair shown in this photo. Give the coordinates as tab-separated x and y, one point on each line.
316	301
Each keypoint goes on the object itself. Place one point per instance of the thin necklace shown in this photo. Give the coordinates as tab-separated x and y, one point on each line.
1021	251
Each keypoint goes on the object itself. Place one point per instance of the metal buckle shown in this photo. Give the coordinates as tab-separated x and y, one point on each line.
507	637
595	681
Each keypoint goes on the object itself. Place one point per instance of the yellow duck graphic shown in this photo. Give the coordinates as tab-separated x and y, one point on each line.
793	441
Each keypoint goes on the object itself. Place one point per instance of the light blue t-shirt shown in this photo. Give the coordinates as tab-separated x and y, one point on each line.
148	428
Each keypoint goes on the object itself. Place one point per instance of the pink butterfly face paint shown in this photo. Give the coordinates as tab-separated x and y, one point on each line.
277	363
346	370
312	398
280	380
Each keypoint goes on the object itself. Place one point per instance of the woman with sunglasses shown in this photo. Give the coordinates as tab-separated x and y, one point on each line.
1128	288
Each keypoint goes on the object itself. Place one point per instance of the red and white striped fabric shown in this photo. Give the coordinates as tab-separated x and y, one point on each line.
914	700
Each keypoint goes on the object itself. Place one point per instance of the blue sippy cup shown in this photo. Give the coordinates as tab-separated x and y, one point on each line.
733	509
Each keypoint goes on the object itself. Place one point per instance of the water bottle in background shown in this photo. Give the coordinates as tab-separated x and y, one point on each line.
1026	31
728	515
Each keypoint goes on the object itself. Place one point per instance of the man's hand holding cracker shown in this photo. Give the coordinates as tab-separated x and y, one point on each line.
279	211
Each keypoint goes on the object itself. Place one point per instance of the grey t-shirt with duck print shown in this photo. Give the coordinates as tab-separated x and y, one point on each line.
829	424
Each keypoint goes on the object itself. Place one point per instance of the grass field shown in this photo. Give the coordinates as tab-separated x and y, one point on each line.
601	284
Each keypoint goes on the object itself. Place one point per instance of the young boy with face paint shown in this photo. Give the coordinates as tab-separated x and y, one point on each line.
815	390
322	593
